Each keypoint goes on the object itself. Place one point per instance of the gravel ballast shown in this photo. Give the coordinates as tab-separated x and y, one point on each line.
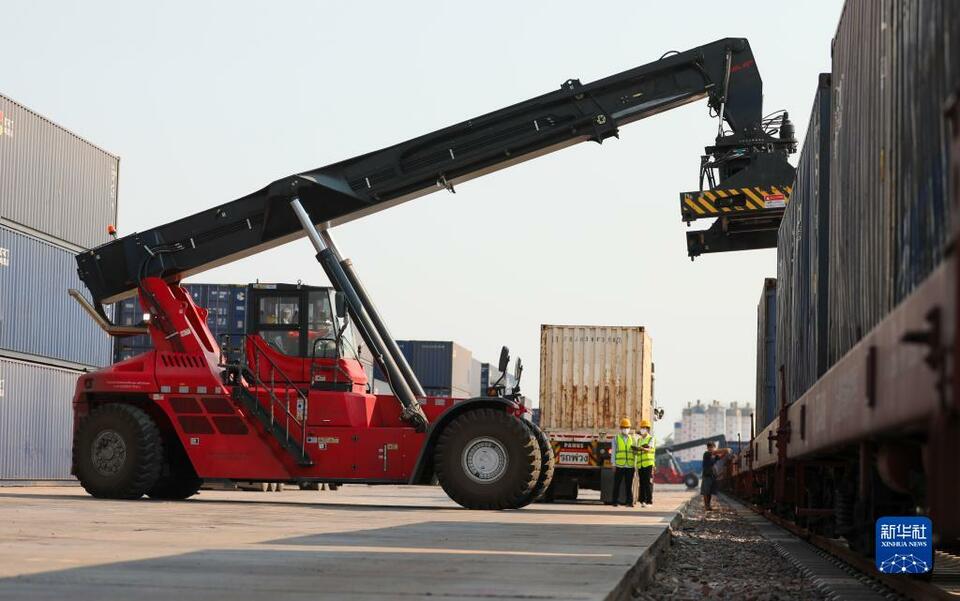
719	555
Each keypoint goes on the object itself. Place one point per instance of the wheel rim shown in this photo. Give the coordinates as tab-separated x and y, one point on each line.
108	453
485	460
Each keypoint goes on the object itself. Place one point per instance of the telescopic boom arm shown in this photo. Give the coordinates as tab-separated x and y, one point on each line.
724	72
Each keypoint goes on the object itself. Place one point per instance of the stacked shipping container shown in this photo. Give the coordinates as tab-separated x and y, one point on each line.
57	195
444	368
869	216
226	305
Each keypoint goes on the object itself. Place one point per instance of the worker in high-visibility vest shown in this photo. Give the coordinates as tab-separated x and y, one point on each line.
624	455
645	462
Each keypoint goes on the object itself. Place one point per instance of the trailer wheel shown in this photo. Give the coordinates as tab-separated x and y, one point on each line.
547	463
487	459
118	452
691	480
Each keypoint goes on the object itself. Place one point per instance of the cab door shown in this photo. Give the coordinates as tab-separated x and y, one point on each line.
276	318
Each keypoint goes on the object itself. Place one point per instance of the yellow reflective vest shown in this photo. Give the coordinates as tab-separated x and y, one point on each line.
646	458
625	455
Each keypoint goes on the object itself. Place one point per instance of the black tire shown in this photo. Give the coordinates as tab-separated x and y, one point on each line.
496	434
178	480
128	450
547	464
691	480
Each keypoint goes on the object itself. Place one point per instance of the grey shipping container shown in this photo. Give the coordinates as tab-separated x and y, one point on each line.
36	420
37	316
766	401
894	66
803	261
53	181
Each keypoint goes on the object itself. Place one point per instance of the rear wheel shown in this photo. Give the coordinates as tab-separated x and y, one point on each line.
118	452
487	459
691	480
547	463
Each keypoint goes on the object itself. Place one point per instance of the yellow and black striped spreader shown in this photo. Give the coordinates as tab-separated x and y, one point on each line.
722	201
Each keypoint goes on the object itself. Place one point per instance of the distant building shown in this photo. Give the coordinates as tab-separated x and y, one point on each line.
700	421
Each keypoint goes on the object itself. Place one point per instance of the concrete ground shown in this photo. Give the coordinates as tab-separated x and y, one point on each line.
386	542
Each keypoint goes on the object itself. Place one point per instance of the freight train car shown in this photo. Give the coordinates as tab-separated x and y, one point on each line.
868	385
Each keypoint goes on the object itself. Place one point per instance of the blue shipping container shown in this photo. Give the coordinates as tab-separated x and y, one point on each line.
37	316
226	306
443	367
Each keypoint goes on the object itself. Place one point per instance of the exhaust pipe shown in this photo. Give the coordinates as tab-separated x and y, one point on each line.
328	261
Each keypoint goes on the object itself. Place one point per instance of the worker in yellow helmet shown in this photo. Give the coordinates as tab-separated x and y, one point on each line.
624	454
645	461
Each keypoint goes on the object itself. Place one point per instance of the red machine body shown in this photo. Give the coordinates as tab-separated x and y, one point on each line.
345	434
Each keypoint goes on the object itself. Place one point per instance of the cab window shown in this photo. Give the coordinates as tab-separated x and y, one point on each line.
278	320
321	328
279	310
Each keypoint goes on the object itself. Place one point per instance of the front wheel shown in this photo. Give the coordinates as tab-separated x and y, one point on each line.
691	480
177	480
487	459
118	452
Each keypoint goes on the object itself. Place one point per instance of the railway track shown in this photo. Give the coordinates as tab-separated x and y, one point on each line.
843	574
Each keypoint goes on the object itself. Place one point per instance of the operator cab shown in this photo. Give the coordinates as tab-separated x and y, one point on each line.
300	333
296	320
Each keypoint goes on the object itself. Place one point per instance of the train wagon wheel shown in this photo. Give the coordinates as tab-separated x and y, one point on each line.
547	464
118	452
487	459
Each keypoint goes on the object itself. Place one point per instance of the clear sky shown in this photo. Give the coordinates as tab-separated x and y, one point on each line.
207	101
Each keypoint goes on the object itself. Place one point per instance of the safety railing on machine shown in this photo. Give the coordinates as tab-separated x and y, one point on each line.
262	362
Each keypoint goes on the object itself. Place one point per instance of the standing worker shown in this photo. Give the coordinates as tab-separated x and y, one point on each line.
624	462
708	478
645	461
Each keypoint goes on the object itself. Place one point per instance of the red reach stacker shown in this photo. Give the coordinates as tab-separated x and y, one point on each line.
301	410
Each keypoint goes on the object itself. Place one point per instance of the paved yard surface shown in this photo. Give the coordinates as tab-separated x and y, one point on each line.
360	542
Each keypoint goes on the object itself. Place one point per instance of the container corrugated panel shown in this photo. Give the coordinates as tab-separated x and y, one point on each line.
802	261
36	421
592	376
54	181
37	316
766	399
432	361
894	66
